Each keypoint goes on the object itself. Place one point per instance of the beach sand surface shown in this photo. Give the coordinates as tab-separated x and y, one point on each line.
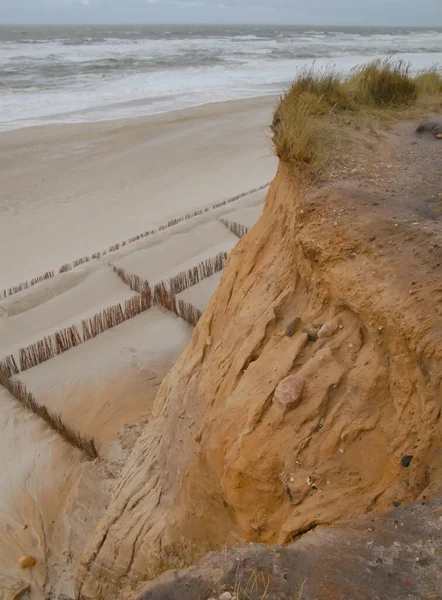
50	498
71	190
110	382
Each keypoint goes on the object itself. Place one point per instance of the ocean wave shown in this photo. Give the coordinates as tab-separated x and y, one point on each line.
83	73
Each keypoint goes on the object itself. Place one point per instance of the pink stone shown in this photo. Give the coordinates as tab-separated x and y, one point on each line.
288	393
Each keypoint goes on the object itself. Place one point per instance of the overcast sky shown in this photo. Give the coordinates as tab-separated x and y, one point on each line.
320	12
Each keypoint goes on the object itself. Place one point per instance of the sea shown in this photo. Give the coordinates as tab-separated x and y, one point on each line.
72	74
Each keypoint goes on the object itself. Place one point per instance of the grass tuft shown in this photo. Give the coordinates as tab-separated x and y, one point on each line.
382	83
430	81
318	102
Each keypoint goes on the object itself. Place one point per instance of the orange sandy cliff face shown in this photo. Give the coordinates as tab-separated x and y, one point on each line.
222	462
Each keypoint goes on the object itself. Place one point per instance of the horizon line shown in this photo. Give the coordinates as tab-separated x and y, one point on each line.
204	24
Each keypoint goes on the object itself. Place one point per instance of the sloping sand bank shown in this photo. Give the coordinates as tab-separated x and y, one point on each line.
337	288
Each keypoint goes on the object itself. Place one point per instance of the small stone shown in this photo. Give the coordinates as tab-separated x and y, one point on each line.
291	327
288	393
380	330
439	136
26	562
372	238
226	596
341	451
406	460
396	503
325	332
341	326
352	255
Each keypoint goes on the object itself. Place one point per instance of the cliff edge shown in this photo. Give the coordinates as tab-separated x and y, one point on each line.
310	391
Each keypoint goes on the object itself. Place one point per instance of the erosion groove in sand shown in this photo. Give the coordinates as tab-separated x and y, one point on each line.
70	435
113	248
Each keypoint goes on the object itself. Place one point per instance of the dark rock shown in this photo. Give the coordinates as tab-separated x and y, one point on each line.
343	555
406	460
430	127
291	327
352	255
372	238
396	503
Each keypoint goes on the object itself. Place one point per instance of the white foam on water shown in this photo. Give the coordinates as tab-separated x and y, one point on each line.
110	78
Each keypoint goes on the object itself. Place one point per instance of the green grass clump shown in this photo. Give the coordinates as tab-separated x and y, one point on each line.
318	102
383	83
429	82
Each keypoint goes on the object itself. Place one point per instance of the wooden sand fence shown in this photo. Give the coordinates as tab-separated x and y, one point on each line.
188	312
72	436
61	341
50	346
24	285
97	255
164	293
236	228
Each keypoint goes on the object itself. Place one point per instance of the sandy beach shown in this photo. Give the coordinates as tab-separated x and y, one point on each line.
85	350
71	190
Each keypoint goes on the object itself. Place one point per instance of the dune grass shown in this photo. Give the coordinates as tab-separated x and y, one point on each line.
319	101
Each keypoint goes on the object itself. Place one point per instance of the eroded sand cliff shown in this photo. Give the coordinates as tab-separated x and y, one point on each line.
219	462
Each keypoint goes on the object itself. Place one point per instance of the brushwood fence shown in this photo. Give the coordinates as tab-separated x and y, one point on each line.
236	228
188	312
63	340
164	292
97	255
69	434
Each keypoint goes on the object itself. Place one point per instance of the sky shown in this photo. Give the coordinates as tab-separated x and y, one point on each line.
301	12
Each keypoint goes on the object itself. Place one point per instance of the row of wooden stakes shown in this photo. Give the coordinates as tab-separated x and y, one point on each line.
69	266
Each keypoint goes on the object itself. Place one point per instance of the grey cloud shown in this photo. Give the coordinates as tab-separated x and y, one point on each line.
312	12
